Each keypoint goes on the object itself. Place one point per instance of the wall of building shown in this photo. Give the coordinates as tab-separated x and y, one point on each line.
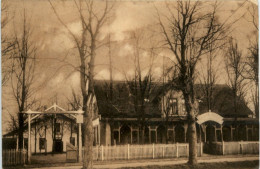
40	133
105	133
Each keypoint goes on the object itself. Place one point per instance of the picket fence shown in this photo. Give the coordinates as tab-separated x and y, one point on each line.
14	157
126	152
232	148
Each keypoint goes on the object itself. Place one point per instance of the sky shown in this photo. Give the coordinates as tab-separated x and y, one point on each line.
57	58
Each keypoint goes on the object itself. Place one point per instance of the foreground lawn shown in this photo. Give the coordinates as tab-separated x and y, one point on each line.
221	165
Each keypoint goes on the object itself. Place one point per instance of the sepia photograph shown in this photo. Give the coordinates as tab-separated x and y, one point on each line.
129	84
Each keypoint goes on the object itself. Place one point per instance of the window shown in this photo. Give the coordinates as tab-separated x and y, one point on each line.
182	107
170	136
95	108
57	127
135	137
42	143
25	143
173	106
153	136
116	138
72	141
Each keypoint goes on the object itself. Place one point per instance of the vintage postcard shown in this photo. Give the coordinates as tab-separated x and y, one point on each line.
130	84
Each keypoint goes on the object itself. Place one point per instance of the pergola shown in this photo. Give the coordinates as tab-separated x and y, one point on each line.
55	109
210	116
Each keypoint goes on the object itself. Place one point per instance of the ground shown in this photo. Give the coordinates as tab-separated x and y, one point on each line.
57	161
221	165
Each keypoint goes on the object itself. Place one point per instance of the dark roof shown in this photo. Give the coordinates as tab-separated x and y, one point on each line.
222	102
121	104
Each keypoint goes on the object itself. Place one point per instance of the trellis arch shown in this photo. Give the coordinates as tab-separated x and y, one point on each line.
210	116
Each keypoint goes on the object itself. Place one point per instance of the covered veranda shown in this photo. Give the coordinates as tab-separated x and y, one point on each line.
55	110
211	127
215	128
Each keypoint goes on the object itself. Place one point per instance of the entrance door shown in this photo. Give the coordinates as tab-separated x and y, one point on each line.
58	146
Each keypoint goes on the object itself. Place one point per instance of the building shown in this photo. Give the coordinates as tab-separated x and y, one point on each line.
166	117
163	120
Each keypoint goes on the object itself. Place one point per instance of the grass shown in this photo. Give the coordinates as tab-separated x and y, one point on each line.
221	165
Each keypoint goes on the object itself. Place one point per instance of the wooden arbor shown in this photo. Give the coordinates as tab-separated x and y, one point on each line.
55	109
210	116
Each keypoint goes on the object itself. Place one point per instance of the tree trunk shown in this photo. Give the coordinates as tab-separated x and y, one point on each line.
35	137
88	141
192	139
191	108
87	122
257	101
20	134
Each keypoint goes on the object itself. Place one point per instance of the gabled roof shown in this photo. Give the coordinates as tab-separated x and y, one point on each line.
121	104
44	118
41	119
222	102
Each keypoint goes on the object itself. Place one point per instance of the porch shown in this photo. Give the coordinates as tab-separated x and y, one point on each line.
210	127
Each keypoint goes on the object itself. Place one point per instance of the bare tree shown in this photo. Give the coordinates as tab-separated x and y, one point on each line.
140	85
7	43
167	114
23	63
92	18
252	66
235	68
74	101
252	69
169	72
187	35
208	80
12	123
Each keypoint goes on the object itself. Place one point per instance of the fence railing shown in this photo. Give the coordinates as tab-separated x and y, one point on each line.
14	157
126	152
231	148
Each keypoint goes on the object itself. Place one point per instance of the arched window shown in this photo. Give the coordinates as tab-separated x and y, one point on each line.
173	106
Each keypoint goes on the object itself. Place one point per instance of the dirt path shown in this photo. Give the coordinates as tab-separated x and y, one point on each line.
155	162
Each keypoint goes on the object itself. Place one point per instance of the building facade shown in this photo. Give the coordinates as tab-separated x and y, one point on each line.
163	120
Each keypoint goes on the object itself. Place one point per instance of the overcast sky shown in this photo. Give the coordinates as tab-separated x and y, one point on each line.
54	43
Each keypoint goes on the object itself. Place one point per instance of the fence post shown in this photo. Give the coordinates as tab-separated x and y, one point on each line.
223	147
241	146
102	153
201	148
12	154
23	156
97	152
153	150
11	160
128	153
177	150
163	151
187	150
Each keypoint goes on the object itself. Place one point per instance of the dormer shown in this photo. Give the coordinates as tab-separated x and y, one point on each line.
173	104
